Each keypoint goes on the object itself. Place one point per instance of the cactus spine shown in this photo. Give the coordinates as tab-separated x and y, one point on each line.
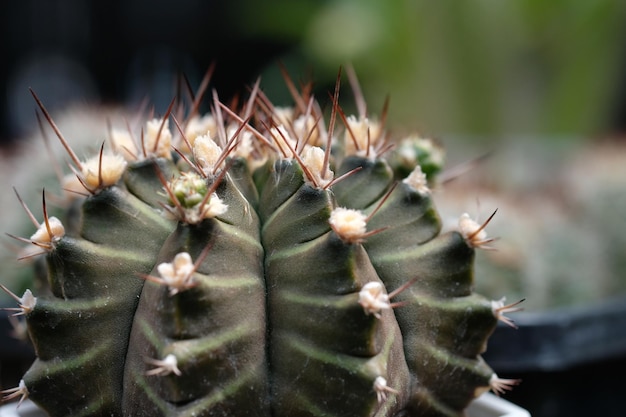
232	273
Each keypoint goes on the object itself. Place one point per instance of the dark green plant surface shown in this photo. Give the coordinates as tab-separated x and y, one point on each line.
247	280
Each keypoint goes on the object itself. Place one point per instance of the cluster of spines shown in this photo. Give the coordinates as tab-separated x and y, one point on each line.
308	217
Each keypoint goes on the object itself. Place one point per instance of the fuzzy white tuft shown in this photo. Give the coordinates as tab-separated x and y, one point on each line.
313	159
417	180
382	389
349	224
374	299
103	172
123	144
363	131
475	234
199	126
158	145
206	153
47	237
165	366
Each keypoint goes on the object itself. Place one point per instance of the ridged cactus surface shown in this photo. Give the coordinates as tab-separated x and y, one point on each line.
254	262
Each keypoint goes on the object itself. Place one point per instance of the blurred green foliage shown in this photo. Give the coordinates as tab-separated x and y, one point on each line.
483	68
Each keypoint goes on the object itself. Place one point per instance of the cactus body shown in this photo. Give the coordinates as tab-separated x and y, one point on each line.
192	289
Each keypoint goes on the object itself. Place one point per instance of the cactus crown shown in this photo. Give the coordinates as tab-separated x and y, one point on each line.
255	262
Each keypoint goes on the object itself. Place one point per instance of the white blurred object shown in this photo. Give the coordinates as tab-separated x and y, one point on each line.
489	405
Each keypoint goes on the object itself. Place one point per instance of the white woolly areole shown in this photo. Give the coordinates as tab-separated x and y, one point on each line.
382	389
468	229
100	173
20	391
417	180
164	367
359	128
164	139
215	207
500	310
72	187
283	140
245	143
313	159
305	126
45	237
200	126
373	298
196	214
349	224
407	150
123	144
28	301
282	115
407	153
498	305
178	274
206	153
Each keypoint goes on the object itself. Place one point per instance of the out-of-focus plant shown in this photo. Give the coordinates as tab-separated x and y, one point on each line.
481	68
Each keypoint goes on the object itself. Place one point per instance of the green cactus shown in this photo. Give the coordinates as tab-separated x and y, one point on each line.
228	271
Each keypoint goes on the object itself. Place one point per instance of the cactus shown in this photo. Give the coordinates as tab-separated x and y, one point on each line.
575	232
228	271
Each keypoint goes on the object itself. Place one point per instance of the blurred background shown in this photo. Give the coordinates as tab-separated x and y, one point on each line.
483	68
540	85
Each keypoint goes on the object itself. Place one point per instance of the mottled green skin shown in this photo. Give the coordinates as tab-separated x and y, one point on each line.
273	327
